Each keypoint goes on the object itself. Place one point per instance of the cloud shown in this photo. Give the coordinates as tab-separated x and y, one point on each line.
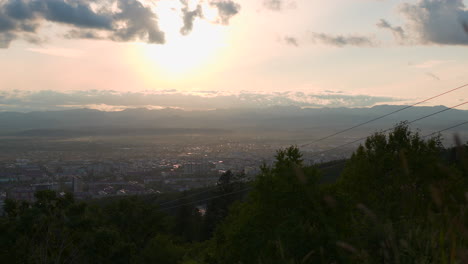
132	21
291	41
433	76
275	5
59	52
55	100
116	20
139	23
189	17
226	9
341	41
429	64
398	32
436	21
279	5
5	39
83	34
78	13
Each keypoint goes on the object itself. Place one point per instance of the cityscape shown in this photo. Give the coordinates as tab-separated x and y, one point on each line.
143	171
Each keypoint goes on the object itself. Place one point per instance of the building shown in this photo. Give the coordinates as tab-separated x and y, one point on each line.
196	168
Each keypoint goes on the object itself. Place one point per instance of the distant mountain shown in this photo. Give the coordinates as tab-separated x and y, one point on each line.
115	131
279	118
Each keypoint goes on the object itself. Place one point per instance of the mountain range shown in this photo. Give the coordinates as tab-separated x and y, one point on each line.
169	120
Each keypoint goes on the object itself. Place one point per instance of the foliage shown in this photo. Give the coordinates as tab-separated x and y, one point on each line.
398	200
218	209
282	218
58	230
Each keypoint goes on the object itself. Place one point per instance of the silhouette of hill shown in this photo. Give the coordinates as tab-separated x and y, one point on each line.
278	118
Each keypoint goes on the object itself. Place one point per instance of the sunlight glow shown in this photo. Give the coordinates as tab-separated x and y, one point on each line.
183	55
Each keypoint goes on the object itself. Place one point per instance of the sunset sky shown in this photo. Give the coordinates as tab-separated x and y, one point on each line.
113	54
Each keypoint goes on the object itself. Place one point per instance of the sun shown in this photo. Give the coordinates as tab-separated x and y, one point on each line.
184	55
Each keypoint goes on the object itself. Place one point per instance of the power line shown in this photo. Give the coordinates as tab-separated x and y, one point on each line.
208	199
428	135
191	195
340	146
438	112
199	193
348	129
249	188
383	116
337	163
445	129
360	139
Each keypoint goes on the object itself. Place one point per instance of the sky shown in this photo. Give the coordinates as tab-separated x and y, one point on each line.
206	54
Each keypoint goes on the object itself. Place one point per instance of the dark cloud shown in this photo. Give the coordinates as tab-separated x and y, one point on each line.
189	16
291	41
278	5
74	13
226	9
83	34
15	18
436	21
54	100
341	41
275	5
133	20
433	76
5	39
397	32
140	23
25	15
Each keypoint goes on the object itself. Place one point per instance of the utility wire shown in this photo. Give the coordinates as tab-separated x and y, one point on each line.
428	135
360	139
445	129
191	195
198	193
438	112
249	188
346	130
208	199
383	116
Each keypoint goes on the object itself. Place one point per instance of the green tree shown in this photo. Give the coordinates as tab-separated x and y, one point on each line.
404	196
228	192
162	249
282	220
187	220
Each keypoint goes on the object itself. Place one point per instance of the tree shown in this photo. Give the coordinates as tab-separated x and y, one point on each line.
282	219
405	200
187	222
227	193
388	171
